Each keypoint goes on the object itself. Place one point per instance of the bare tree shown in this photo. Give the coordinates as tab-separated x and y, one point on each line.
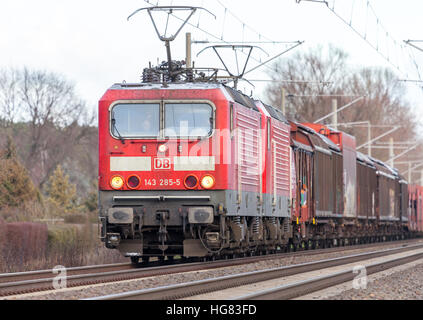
384	103
306	102
9	101
46	118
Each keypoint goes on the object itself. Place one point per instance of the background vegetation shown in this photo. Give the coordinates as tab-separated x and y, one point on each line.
325	73
48	174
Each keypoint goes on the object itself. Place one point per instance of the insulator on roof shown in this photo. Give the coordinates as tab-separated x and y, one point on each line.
150	76
190	75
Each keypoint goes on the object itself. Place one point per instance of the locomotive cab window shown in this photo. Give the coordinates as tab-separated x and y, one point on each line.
133	120
188	119
152	120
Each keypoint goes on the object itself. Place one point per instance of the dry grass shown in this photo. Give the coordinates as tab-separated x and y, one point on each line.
26	211
30	246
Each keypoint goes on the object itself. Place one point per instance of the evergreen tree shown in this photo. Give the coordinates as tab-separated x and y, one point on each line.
10	150
61	192
91	201
16	186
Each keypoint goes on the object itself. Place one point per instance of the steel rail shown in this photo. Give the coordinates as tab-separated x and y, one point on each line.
24	282
301	288
194	288
30	275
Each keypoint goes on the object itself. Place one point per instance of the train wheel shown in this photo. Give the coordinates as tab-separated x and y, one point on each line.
161	259
145	259
170	259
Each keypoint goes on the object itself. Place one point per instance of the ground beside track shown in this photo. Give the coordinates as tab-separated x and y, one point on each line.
404	282
241	291
151	282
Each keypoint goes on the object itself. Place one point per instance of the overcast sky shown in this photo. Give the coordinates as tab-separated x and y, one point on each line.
93	45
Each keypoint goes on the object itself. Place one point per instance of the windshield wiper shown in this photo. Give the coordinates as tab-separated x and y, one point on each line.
117	131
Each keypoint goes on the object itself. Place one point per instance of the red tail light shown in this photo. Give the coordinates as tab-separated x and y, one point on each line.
133	182
191	181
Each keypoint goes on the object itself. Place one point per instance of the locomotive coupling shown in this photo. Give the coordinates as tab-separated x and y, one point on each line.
112	240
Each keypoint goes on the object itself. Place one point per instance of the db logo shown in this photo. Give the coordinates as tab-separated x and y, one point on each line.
162	163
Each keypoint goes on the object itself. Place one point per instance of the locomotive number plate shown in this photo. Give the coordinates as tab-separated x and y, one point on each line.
162	182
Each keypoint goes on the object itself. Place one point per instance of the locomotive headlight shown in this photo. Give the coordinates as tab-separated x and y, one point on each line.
116	182
162	148
207	182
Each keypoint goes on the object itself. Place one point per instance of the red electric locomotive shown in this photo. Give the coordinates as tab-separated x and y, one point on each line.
191	170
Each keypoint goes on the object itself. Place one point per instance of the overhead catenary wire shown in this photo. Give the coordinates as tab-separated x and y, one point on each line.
292	81
220	38
260	35
385	44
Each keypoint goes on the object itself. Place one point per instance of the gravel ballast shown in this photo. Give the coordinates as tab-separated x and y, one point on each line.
401	285
151	282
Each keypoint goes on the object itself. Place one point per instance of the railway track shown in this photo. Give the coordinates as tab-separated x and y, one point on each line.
301	288
292	290
41	280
